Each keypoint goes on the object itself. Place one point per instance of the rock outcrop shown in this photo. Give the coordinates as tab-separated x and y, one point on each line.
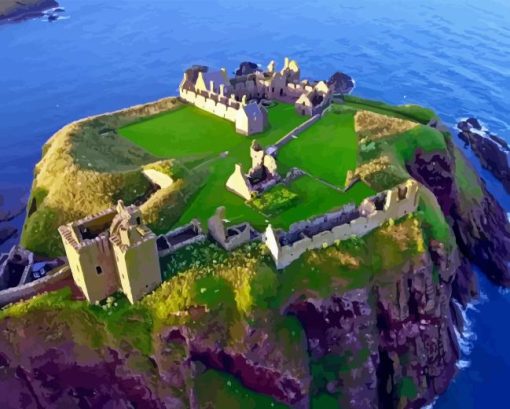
493	151
481	227
393	343
343	83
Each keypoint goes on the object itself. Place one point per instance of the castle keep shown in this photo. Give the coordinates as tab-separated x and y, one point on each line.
239	99
110	251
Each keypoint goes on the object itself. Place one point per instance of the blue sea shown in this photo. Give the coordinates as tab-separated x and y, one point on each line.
450	55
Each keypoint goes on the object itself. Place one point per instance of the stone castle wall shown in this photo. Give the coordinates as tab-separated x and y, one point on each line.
341	225
296	131
22	292
220	106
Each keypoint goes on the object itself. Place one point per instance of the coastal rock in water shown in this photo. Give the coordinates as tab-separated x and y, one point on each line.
492	151
343	83
15	10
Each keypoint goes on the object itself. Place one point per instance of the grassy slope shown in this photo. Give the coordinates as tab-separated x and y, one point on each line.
86	167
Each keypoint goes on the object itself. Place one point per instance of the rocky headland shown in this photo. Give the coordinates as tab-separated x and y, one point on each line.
368	323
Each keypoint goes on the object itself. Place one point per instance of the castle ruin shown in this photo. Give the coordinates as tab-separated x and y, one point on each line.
286	247
262	175
239	99
110	251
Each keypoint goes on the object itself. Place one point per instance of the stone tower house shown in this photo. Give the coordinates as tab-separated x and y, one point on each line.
110	251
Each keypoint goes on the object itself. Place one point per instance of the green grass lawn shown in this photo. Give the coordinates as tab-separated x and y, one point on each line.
327	150
315	199
189	131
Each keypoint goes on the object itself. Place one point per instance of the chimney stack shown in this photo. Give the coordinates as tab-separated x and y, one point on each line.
211	86
222	90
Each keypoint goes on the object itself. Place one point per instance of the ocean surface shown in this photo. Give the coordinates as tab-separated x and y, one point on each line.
450	55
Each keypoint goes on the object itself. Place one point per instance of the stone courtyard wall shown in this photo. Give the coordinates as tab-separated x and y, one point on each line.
15	294
352	225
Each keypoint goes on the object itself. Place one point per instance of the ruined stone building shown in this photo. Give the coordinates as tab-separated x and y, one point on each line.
262	175
286	247
110	251
230	237
238	99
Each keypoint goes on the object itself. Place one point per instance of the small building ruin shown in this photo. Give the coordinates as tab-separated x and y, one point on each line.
262	175
230	237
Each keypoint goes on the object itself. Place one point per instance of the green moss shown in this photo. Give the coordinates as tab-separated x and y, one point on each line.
112	322
467	180
407	388
422	137
433	221
39	232
215	389
324	401
353	263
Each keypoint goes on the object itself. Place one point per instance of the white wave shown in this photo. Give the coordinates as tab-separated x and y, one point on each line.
463	364
431	405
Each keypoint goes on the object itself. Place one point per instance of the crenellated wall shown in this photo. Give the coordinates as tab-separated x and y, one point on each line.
350	221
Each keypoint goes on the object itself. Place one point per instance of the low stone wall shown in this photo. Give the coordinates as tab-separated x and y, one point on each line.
29	290
296	131
348	222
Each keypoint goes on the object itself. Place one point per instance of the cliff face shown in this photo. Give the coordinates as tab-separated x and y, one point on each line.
481	227
394	343
388	345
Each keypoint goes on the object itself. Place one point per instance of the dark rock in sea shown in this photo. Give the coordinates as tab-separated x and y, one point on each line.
246	68
343	83
439	125
15	10
492	151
